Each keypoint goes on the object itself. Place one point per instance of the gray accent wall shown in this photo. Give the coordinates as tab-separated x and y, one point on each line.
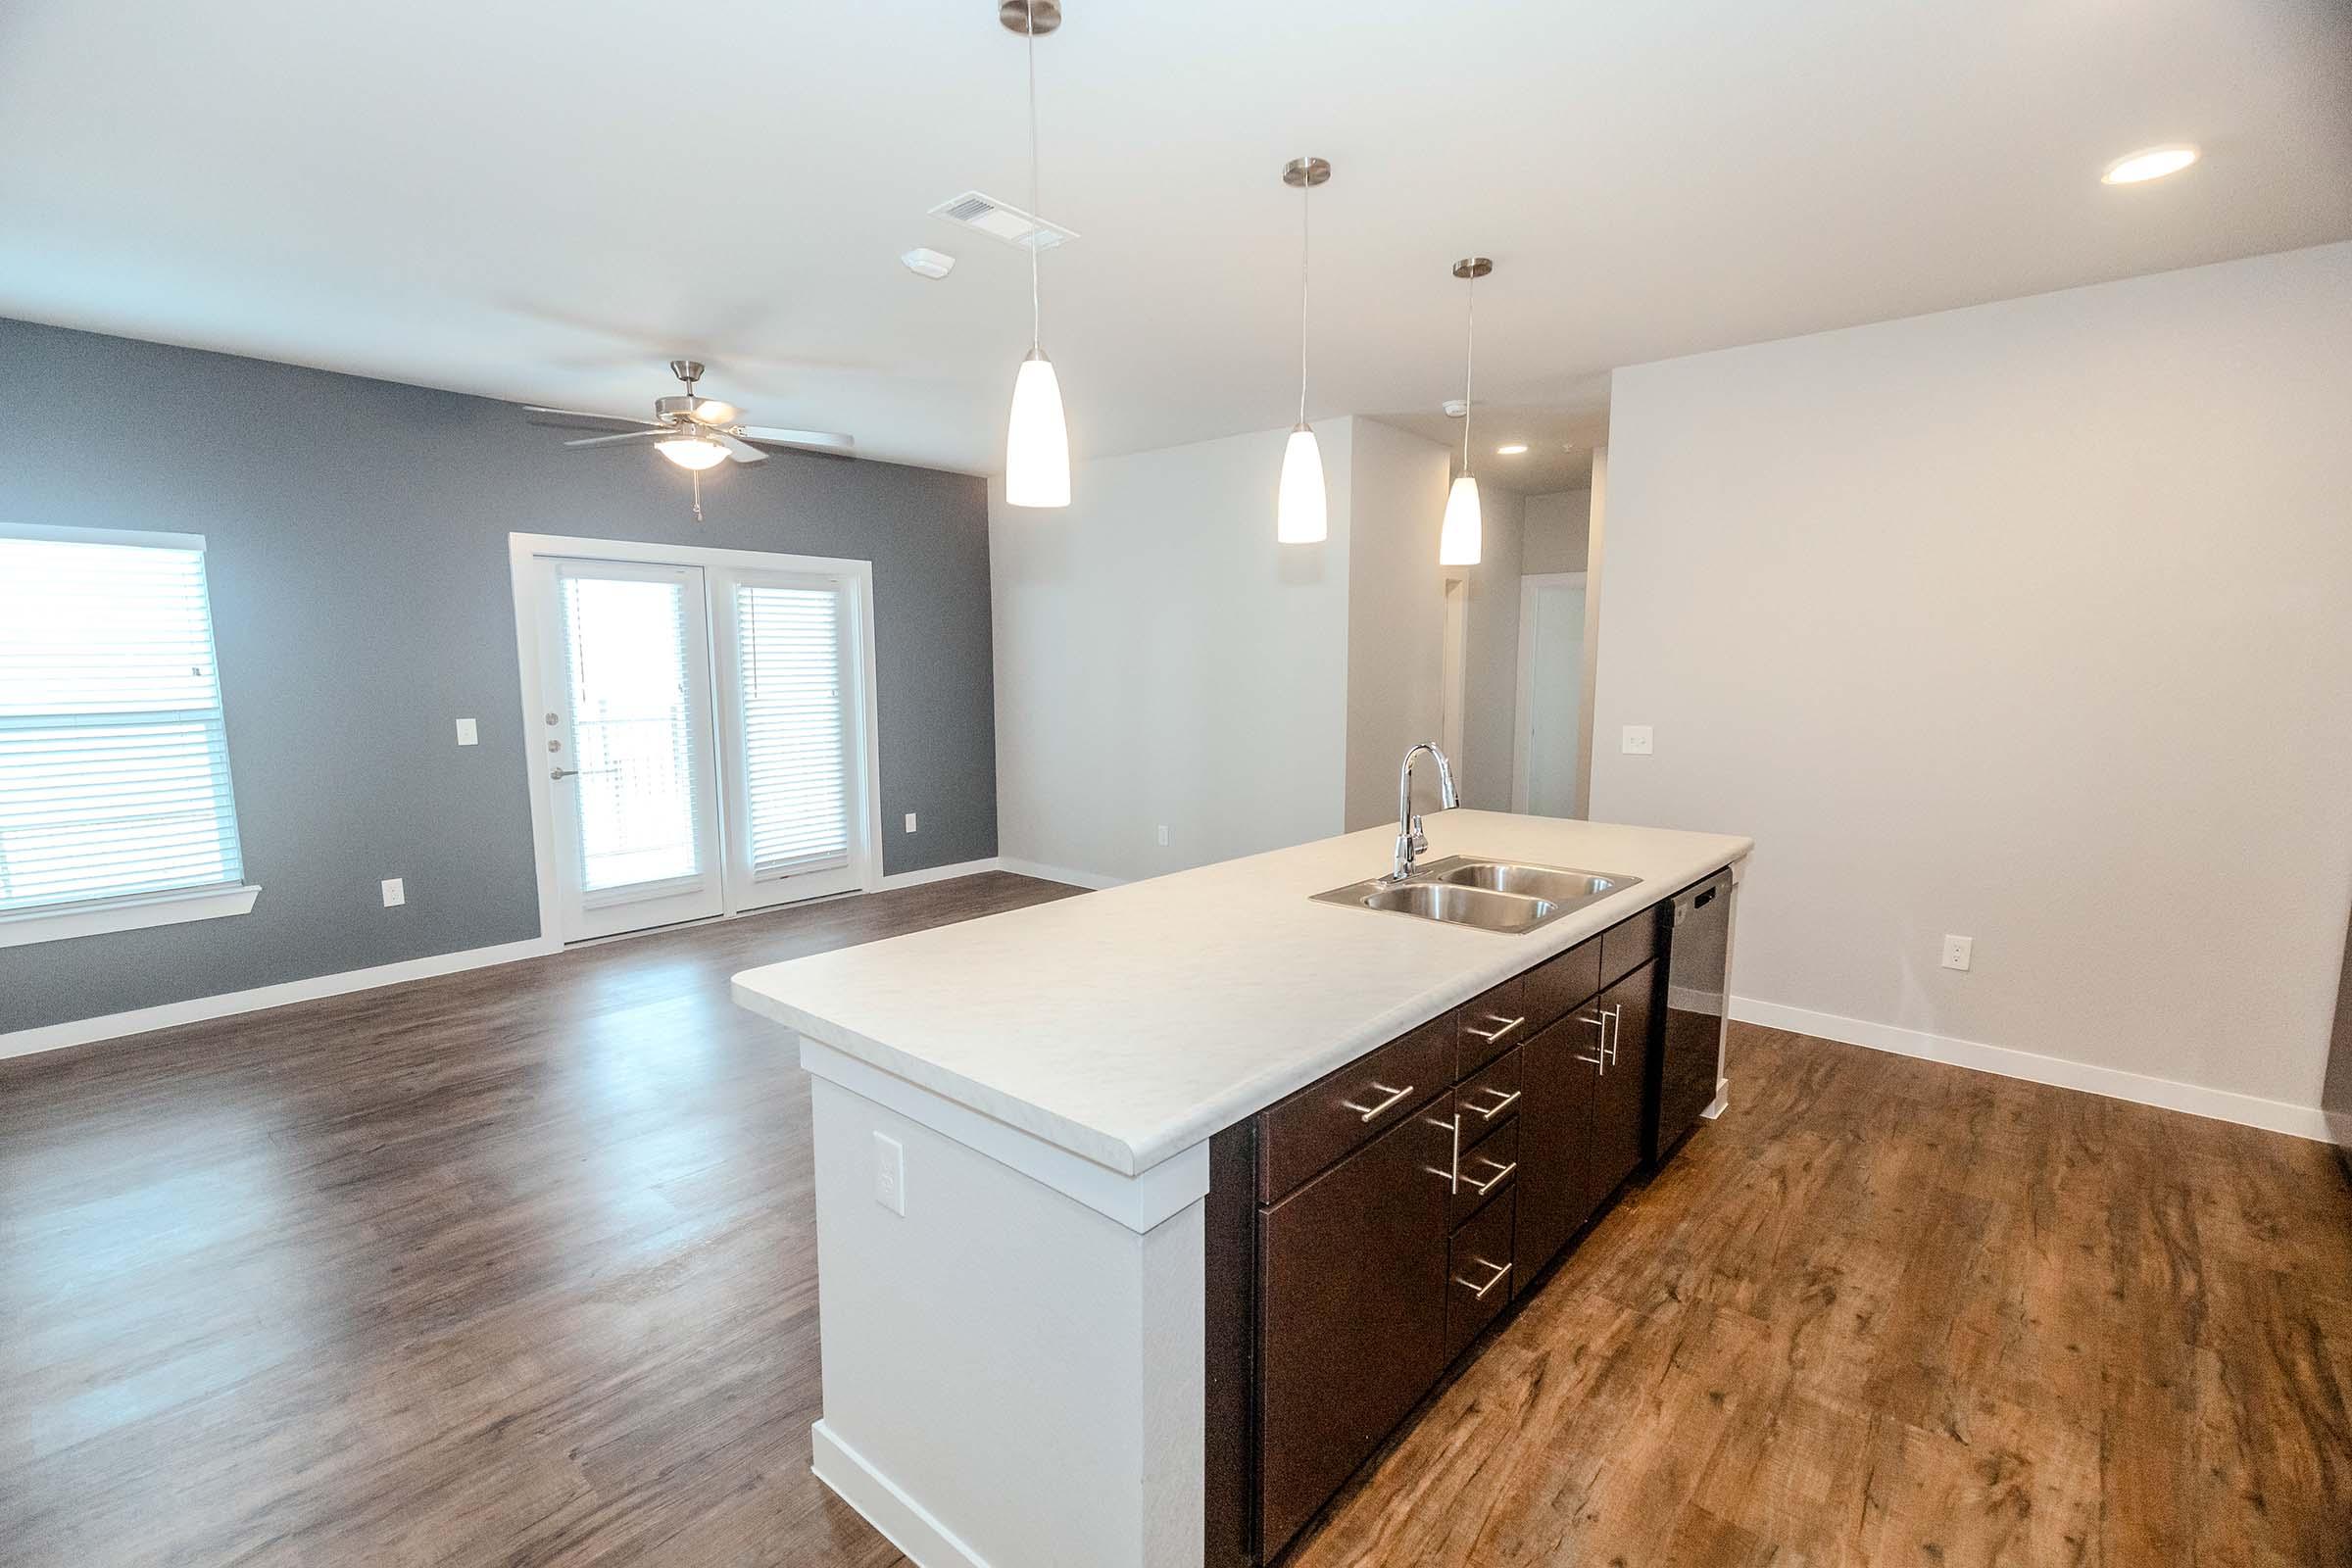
357	539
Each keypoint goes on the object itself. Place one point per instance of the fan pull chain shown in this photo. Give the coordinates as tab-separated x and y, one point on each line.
697	475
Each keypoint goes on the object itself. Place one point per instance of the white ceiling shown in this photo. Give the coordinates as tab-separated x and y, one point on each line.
547	201
1560	439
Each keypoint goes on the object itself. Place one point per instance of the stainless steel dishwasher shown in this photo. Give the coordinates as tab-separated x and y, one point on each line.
1699	948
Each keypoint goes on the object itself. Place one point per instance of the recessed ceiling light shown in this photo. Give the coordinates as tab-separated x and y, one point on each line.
1510	449
2150	162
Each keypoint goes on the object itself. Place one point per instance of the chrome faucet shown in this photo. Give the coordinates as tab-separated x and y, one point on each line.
1410	840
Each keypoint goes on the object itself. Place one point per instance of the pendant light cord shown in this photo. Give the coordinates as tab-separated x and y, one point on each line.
1469	363
1305	206
1036	208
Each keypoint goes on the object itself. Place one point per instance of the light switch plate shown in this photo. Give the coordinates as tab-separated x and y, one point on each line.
395	893
889	1173
1959	952
910	822
1163	834
1636	741
466	733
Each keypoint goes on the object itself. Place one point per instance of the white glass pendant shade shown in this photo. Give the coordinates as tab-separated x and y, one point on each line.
1300	515
1036	442
1458	539
692	452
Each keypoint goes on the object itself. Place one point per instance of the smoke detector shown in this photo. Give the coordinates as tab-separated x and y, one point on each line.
928	263
1456	408
1004	220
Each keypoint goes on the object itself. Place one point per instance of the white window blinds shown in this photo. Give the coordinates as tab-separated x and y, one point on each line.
795	726
114	761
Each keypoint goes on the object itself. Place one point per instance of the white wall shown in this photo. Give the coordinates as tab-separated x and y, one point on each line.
1556	526
2032	622
1160	658
1396	611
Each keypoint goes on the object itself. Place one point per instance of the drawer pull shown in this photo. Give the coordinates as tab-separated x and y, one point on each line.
1452	1176
1367	1113
1490	1035
1509	1099
1503	1271
1602	1062
1502	1172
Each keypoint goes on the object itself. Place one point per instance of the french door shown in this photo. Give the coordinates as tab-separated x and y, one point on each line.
700	738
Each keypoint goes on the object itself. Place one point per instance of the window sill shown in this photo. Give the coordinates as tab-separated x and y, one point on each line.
27	926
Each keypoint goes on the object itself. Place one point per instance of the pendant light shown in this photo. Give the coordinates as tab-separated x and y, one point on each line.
1300	512
1458	539
1037	438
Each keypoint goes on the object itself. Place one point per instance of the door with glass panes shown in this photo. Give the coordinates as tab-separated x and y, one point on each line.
700	740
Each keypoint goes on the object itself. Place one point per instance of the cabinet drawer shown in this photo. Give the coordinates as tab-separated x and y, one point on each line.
1479	1275
1491	1099
1553	987
1493	1024
1630	944
1307	1132
1486	1175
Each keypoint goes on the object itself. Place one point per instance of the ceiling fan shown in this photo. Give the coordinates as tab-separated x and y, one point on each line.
698	432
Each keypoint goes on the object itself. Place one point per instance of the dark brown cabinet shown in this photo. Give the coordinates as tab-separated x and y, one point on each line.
1352	1309
1373	1224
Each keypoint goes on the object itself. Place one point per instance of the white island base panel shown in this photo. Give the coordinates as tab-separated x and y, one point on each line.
1013	1377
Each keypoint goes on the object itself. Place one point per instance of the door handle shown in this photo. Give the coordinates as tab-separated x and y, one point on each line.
561	772
1367	1113
1614	1035
1453	1174
1601	1023
1490	1035
1503	1271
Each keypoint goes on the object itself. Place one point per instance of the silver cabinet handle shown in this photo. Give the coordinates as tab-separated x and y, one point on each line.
1503	1271
1367	1113
1454	1171
1489	1112
1614	1035
1602	1062
1490	1035
1502	1172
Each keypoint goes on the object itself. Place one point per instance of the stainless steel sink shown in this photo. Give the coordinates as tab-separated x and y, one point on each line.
1488	895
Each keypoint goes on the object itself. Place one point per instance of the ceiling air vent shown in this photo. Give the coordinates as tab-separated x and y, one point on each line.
1003	220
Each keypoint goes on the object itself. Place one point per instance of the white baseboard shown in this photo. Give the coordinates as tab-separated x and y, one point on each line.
938	873
196	1009
1059	873
909	1526
2217	1104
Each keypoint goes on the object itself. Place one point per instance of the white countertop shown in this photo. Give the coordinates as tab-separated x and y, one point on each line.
1129	1024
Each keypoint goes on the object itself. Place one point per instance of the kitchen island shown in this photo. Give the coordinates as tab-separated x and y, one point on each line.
1041	1193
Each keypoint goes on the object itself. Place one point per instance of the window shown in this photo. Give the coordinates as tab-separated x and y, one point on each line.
115	802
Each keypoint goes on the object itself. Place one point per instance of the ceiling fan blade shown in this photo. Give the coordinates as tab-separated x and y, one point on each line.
740	451
710	411
806	440
583	414
608	440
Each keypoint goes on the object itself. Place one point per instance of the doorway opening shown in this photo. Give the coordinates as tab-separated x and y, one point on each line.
700	730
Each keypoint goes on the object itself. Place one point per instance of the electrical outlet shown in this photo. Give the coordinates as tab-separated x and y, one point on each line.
889	1173
1636	740
1958	952
1163	835
910	822
395	893
466	735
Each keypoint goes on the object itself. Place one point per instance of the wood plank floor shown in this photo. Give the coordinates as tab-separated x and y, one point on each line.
517	1267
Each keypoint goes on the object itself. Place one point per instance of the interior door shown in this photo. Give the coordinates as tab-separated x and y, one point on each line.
629	746
794	807
1553	725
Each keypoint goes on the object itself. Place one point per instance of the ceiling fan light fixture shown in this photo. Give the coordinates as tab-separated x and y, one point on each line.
692	452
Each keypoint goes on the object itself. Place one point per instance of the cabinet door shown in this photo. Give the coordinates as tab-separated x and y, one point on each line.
1557	1080
1619	1089
1352	1316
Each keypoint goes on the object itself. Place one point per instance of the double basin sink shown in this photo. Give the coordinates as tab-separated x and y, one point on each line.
1488	895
